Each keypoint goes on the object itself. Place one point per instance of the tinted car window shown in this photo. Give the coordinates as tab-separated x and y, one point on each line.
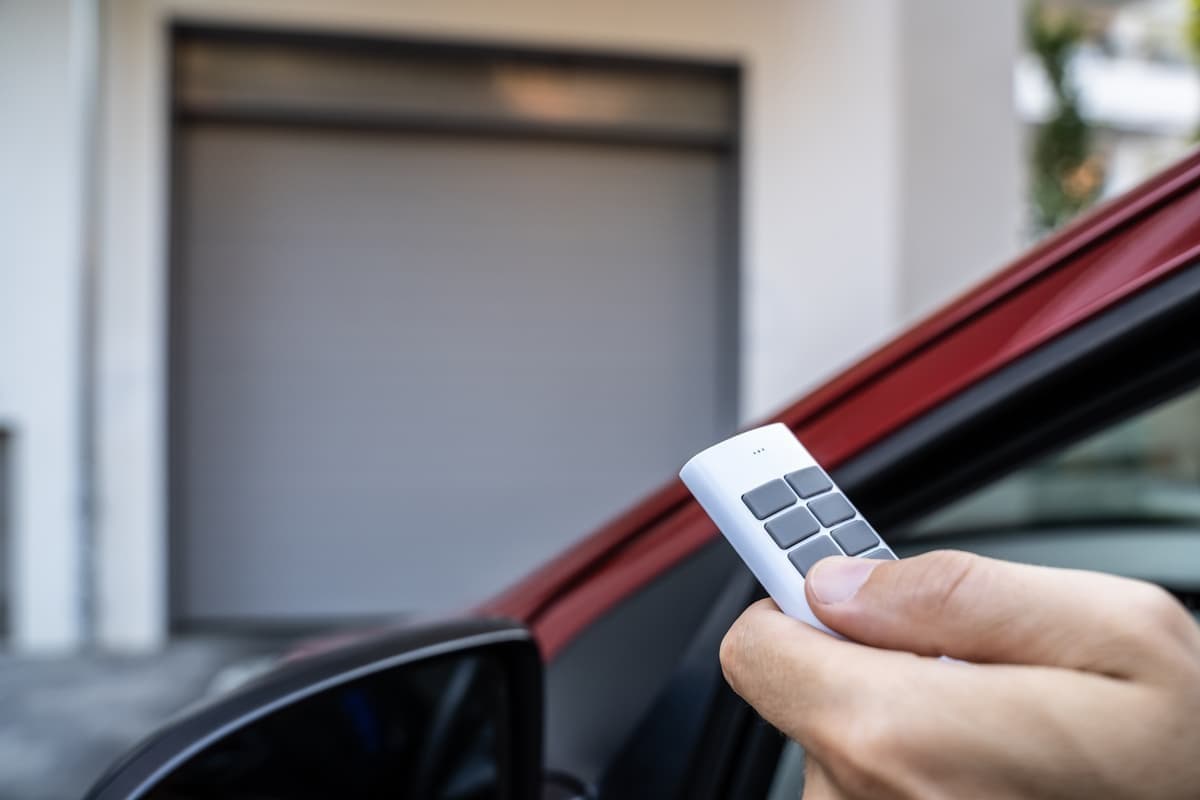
1144	471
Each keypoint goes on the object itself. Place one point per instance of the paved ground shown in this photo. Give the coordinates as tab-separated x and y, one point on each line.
62	721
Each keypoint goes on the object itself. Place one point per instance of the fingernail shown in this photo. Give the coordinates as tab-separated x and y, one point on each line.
836	580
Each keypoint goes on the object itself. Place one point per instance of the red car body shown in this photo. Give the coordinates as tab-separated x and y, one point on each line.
1115	252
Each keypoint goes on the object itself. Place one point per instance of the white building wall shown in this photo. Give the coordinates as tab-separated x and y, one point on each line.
836	105
961	175
45	49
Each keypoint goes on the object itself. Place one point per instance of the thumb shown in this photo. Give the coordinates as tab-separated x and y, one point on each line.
983	610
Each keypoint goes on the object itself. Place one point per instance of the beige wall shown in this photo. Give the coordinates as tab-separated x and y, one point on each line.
844	118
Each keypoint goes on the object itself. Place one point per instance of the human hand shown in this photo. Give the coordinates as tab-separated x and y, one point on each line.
1082	685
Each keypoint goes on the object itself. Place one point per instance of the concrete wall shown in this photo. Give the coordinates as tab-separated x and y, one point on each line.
853	214
45	68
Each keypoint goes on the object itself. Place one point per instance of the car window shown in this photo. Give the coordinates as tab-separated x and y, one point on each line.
1144	471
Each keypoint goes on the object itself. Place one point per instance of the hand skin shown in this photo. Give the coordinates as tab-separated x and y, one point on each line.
1081	685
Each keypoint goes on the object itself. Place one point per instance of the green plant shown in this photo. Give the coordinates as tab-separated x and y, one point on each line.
1193	28
1067	175
1193	39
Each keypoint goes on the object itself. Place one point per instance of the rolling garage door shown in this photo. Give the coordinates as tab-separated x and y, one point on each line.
436	313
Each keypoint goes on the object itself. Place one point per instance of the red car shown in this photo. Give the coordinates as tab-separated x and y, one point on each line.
1049	415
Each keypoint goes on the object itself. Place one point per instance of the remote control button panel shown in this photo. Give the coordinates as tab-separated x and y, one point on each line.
855	537
832	509
812	529
812	551
793	526
809	482
769	498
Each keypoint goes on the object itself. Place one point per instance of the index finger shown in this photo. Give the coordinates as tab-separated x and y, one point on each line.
805	682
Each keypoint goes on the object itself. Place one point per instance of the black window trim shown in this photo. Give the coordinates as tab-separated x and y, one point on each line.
1128	359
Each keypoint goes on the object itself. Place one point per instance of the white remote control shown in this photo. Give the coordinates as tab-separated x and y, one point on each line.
779	510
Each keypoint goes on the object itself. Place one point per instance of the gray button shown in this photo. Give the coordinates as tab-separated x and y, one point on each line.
768	498
832	509
855	537
881	554
812	551
792	526
809	481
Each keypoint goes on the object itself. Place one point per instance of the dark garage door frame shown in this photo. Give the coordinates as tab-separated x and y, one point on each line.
670	103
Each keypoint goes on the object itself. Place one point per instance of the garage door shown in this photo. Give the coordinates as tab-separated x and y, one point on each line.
415	353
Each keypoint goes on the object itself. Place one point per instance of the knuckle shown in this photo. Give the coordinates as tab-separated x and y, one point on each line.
867	755
1156	634
859	735
1158	610
881	740
730	652
945	578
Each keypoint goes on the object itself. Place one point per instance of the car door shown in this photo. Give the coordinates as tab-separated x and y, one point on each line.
1090	327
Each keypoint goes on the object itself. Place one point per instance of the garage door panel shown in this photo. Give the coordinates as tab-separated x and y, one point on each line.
410	367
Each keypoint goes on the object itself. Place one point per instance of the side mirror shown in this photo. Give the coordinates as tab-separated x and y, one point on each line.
450	712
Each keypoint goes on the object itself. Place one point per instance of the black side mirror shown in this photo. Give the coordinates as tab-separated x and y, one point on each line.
451	712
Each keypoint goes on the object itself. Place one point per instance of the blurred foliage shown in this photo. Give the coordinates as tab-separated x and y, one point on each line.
1193	38
1193	28
1067	175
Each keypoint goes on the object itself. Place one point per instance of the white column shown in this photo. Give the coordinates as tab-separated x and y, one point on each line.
131	366
960	188
820	262
45	49
885	178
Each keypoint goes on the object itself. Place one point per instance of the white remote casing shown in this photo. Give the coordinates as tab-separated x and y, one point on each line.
722	475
